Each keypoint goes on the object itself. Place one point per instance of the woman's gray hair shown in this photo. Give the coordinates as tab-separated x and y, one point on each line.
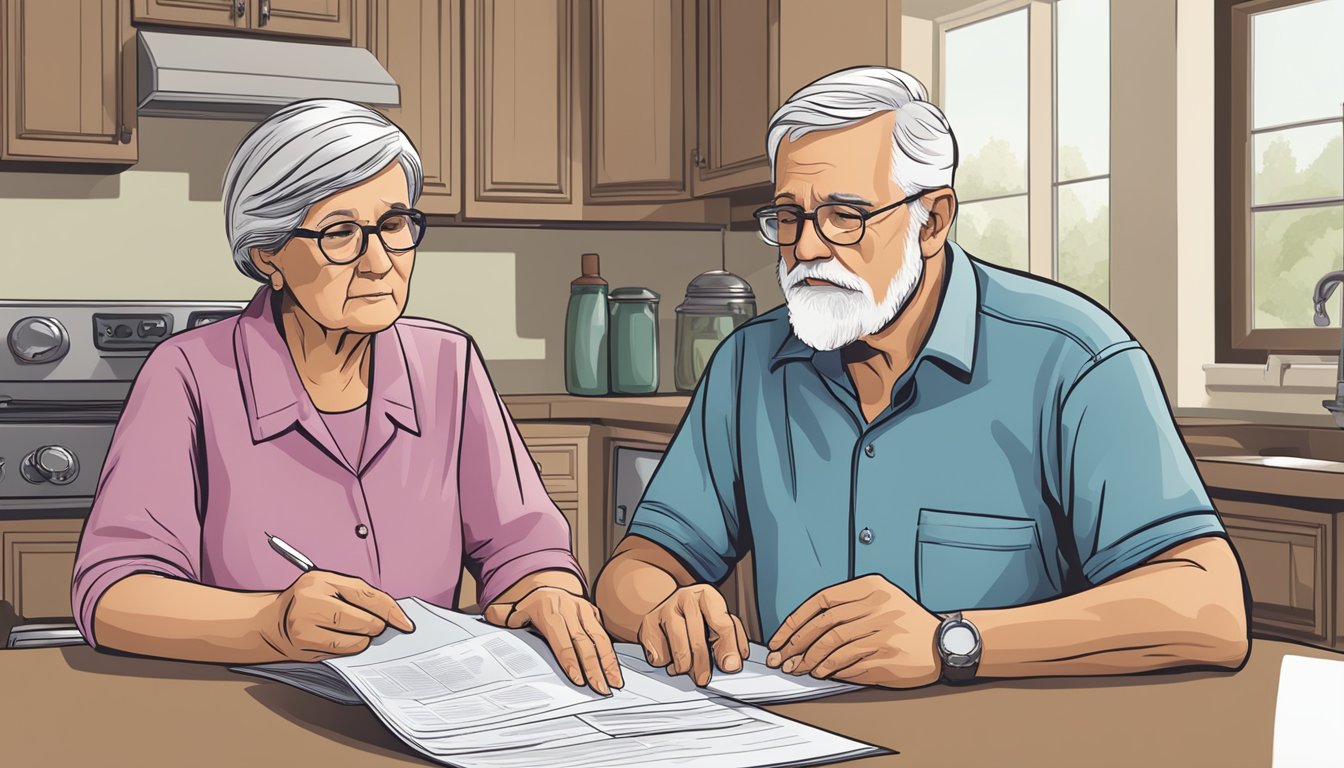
925	151
299	156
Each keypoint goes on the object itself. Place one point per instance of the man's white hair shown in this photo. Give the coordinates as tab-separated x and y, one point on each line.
924	150
299	156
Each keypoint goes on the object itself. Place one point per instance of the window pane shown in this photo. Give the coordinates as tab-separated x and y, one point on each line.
995	231
1084	216
1083	87
986	104
1299	164
1292	250
1298	63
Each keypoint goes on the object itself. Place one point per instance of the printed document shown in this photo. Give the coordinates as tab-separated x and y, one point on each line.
1309	711
465	693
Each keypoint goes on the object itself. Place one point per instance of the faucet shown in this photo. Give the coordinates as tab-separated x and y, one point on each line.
1324	288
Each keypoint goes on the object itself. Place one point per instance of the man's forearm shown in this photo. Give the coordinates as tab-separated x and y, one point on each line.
1184	607
631	586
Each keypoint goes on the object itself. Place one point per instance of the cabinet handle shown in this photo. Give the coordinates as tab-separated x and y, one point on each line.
265	12
620	514
697	159
125	136
239	8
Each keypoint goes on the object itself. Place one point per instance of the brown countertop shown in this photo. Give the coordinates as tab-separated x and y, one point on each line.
75	706
662	411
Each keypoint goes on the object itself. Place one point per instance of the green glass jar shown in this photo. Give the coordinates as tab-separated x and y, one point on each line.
634	341
586	332
717	302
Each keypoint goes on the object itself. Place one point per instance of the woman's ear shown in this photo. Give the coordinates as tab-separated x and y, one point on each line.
262	260
265	261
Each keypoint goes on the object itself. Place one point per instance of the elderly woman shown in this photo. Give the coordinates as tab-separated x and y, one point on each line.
374	445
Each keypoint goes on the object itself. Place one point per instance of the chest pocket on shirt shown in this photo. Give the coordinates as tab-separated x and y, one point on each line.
967	561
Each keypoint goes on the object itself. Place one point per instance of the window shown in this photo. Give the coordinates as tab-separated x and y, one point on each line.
1004	115
1082	183
986	102
1285	214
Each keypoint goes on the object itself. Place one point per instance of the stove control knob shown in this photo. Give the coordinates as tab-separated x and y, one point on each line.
50	464
39	340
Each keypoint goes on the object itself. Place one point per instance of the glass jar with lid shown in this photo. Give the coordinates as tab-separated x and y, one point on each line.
717	302
634	341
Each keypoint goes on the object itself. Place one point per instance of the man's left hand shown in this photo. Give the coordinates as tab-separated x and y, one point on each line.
866	631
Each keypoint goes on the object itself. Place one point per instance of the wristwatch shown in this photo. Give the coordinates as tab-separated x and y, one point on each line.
958	645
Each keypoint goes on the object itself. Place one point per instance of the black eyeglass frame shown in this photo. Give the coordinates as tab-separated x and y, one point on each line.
376	229
864	216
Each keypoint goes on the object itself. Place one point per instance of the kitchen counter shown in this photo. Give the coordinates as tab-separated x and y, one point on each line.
661	411
75	706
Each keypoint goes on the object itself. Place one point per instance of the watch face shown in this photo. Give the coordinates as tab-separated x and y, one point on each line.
959	640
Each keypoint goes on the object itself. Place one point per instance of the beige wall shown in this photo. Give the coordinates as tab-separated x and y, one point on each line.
156	232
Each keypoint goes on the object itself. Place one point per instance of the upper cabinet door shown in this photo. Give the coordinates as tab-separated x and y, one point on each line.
69	82
738	58
754	54
221	14
418	41
327	19
637	148
521	116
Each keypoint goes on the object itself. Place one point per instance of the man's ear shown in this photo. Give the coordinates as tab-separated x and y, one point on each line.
262	260
942	207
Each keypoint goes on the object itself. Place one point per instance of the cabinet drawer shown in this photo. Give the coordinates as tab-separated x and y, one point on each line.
559	467
1288	558
37	560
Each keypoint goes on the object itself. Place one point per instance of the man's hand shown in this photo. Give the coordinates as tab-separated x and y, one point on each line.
573	629
681	632
325	614
866	631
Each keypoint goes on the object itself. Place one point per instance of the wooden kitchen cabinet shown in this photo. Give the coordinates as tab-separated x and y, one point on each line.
418	42
322	19
754	54
37	561
68	82
522	115
1290	558
577	110
640	86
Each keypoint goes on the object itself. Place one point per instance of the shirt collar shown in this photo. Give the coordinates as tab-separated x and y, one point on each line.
276	399
953	335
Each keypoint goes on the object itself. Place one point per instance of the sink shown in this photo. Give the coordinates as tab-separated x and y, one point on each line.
1284	462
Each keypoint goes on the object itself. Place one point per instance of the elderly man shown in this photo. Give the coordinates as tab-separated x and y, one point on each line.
944	469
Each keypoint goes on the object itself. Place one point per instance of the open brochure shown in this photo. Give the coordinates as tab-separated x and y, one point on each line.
465	693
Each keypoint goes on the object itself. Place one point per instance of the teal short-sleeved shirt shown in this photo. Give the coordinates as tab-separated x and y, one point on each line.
1028	453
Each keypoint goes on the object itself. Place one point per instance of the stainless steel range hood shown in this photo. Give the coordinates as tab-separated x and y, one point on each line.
211	76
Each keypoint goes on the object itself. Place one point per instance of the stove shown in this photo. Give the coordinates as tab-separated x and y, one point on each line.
66	368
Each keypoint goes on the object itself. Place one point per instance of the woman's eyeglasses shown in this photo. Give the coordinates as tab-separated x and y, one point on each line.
342	242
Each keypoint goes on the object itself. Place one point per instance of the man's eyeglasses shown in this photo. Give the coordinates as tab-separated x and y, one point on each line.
342	242
837	223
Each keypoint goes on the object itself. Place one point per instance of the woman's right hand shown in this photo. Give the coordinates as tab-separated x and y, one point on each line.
324	614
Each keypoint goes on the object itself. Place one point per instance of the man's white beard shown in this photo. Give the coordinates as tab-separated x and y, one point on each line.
826	317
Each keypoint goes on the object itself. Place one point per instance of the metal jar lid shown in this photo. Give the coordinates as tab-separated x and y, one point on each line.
716	291
633	294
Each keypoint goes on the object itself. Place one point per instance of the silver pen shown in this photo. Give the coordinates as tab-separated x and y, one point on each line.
289	553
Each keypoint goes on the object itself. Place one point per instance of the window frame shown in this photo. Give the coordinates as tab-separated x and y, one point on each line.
1042	151
1237	340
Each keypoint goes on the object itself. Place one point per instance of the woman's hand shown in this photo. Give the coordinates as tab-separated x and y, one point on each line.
325	614
573	629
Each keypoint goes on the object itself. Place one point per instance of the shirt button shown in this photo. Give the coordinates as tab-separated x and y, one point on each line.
866	536
362	531
869	450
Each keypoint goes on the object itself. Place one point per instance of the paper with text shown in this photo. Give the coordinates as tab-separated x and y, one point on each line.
1309	712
